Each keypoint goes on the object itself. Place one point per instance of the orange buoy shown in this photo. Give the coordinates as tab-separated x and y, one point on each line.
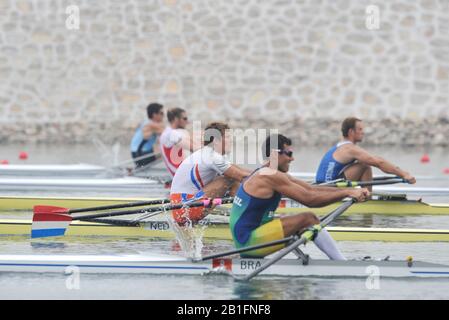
425	158
23	155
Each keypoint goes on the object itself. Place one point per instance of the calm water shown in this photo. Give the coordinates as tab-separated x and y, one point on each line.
51	286
48	286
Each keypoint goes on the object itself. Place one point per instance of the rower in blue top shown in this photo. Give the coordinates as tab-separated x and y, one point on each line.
349	161
143	144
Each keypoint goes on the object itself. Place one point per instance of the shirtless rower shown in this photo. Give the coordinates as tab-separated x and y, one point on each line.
206	173
258	197
349	161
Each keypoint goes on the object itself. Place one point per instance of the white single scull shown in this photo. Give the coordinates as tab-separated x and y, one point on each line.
169	264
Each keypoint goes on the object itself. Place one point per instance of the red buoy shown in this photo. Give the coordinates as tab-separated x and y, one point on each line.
23	155
425	158
4	162
446	171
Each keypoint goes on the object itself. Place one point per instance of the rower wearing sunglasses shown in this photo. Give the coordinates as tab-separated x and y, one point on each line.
175	140
252	219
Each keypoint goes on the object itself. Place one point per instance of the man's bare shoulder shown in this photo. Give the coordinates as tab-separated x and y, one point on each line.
357	151
352	149
272	175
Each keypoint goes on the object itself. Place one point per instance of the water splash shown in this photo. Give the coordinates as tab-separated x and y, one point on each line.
189	236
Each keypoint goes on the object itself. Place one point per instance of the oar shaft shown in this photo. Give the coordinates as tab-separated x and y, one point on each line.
120	206
122	213
337	212
348	184
147	210
384	178
329	183
246	249
116	222
278	256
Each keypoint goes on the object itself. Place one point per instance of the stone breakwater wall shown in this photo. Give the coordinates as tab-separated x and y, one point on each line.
300	66
308	133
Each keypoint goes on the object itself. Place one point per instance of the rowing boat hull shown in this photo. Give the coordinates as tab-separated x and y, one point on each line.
137	184
83	184
161	229
90	170
237	267
384	207
45	170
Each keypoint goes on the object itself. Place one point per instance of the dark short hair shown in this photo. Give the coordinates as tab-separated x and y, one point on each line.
211	130
153	108
274	141
174	113
348	123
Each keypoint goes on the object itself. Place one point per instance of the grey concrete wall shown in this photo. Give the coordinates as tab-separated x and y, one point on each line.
298	65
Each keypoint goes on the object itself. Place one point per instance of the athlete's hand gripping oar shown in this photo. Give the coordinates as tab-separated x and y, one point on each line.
306	236
55	222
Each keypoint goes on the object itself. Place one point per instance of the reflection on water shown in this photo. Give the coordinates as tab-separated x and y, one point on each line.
167	287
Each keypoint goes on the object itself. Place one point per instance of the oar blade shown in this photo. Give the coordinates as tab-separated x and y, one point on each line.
42	209
49	224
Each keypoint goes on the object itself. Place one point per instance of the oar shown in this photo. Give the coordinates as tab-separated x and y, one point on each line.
384	177
117	222
54	222
306	236
328	182
348	184
332	182
43	208
245	249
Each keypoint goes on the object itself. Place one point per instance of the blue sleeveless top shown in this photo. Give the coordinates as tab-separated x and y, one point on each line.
249	212
330	169
139	144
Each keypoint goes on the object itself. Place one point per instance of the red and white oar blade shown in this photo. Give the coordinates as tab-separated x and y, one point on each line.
49	209
49	224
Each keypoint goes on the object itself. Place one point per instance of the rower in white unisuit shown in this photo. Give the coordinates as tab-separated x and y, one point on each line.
172	151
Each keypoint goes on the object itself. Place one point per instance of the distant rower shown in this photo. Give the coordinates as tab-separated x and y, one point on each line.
144	142
206	173
252	219
347	160
175	139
